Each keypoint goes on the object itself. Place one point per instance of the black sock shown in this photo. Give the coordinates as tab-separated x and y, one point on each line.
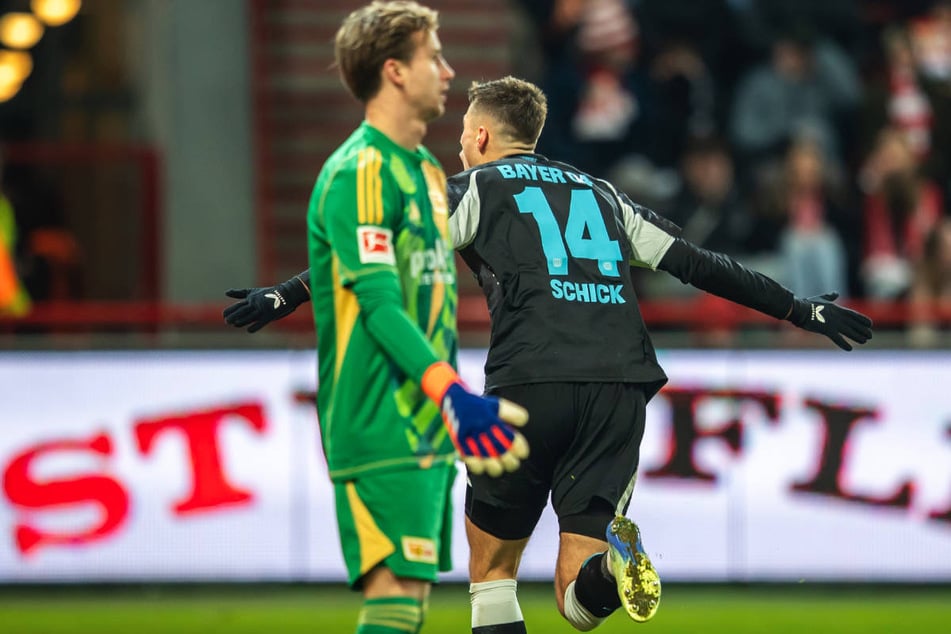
595	590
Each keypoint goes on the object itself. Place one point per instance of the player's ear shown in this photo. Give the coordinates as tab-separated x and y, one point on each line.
393	71
482	139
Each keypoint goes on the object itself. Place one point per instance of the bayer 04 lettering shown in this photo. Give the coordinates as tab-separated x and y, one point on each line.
584	217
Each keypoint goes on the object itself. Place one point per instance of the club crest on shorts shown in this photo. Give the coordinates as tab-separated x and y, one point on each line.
419	549
376	245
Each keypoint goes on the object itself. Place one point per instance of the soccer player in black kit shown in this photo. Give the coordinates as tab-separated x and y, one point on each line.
552	248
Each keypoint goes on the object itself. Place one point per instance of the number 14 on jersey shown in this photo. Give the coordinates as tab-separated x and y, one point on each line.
584	215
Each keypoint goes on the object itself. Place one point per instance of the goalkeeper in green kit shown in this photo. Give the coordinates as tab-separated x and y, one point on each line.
393	412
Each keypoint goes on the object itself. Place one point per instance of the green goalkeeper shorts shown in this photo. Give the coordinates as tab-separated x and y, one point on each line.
400	519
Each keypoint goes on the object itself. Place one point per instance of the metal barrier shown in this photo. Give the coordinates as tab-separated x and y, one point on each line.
695	313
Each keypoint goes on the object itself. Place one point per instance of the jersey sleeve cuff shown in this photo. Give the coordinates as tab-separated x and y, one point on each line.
436	380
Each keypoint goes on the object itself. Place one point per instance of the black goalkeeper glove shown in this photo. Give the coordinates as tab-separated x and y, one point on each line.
260	306
819	314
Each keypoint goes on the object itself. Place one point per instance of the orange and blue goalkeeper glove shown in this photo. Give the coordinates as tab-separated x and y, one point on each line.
483	429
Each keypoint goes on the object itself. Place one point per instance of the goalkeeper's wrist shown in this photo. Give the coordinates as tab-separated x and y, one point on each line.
437	379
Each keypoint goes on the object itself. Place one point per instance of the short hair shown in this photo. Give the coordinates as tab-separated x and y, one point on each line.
375	33
518	105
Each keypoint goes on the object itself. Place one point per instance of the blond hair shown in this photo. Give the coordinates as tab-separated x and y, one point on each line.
375	33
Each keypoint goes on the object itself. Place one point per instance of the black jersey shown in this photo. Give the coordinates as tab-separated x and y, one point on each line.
551	247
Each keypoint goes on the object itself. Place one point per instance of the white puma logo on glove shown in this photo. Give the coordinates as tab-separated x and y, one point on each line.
817	314
278	300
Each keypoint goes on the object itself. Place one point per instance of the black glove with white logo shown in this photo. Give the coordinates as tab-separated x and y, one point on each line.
260	306
819	314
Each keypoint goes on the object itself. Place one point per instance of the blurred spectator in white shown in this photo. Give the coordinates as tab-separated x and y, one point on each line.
607	40
808	202
598	92
930	296
915	106
809	86
610	105
901	207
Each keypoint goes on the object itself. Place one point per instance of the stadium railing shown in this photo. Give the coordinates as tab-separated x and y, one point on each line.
93	316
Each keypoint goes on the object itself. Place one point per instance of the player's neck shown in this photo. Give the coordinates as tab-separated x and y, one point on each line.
398	122
499	153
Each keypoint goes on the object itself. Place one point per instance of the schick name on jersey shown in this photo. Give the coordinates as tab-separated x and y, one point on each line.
588	293
529	172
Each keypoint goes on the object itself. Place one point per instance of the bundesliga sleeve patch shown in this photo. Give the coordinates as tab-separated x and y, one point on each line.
375	245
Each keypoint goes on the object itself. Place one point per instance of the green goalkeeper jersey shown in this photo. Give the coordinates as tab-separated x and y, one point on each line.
383	287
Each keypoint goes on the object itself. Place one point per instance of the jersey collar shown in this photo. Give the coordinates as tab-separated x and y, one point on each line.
527	156
379	139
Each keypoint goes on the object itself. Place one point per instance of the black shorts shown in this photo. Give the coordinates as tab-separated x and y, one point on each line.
584	441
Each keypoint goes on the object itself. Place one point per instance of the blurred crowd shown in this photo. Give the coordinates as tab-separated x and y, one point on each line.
808	139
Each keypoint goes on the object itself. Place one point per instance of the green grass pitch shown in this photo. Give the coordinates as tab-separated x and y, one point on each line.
331	609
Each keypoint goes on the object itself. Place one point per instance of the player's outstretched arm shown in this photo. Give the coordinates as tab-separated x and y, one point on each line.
723	276
257	307
483	429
